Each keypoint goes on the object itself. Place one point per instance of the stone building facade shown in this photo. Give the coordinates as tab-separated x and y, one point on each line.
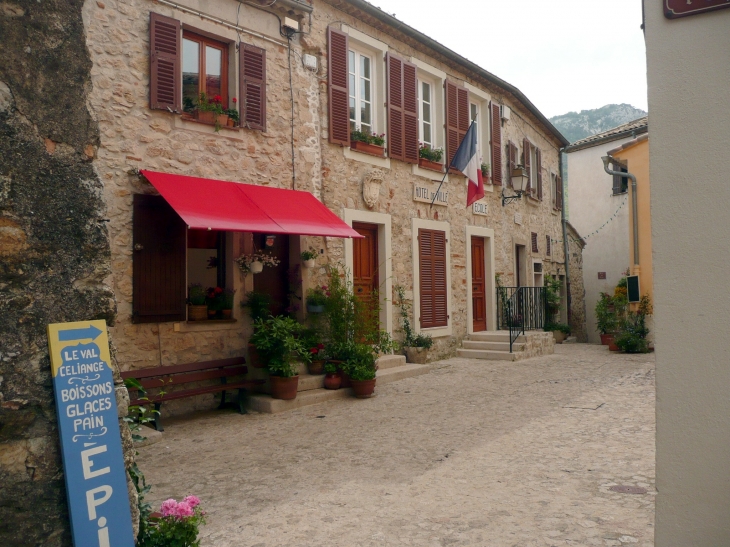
378	193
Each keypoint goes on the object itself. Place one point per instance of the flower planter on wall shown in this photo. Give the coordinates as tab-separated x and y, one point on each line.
309	263
365	148
432	165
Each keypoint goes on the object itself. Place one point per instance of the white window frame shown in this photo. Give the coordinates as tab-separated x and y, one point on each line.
434	77
441	226
356	72
421	107
481	100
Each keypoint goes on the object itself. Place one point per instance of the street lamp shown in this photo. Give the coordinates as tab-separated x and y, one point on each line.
519	184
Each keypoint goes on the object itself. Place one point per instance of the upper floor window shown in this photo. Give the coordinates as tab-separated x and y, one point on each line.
620	184
204	68
426	114
361	91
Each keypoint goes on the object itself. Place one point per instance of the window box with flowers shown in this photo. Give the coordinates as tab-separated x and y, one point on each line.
430	158
365	142
211	111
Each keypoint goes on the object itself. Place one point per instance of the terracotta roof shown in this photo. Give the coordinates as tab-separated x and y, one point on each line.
629	129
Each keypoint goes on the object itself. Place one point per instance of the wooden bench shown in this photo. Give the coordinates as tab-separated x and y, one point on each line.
161	379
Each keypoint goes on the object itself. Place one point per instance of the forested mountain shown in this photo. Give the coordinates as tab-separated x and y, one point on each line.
578	125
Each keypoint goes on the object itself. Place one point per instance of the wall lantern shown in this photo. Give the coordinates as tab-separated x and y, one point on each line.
519	184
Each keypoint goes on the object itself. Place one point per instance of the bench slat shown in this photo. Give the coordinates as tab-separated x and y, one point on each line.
200	391
177	369
163	382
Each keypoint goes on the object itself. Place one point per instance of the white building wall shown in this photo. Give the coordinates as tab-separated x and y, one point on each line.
592	204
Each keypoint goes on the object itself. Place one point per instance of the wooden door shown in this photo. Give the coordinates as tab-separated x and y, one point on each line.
478	285
365	266
274	280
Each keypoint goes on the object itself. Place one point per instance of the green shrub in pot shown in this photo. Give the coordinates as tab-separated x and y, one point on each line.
278	343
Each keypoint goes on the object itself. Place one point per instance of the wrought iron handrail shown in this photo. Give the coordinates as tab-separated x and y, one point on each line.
520	309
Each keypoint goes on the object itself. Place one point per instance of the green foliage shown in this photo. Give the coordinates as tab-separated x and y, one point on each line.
175	532
213	104
233	114
552	294
431	154
317	296
405	321
311	254
606	321
144	538
485	169
277	341
360	364
550	327
633	331
196	295
348	318
381	342
367	137
138	415
227	299
258	304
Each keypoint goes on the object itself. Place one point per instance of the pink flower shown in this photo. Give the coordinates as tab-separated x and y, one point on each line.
183	510
168	507
192	501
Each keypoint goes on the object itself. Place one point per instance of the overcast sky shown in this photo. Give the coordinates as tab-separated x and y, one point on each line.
565	55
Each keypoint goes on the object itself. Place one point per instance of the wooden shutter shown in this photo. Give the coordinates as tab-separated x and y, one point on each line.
432	267
159	261
526	155
558	193
547	245
497	146
538	155
535	248
396	133
338	87
511	161
616	179
252	71
457	117
410	112
165	63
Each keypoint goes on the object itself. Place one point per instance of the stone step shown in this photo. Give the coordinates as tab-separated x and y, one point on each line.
570	340
308	382
264	403
494	346
487	354
390	361
493	336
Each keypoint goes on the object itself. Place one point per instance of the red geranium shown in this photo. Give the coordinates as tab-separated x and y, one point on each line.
217	99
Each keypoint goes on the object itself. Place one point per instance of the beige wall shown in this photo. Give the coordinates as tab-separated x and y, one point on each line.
591	205
689	90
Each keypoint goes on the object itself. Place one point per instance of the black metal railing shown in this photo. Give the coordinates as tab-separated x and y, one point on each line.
520	309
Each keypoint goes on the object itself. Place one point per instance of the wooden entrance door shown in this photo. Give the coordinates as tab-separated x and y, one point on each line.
274	280
478	285
365	264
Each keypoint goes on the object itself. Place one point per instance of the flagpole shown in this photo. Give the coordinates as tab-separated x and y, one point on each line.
447	171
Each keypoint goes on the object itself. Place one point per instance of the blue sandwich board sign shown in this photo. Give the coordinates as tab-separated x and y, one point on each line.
96	482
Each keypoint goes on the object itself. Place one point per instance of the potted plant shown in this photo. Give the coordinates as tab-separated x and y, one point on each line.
255	262
430	158
233	115
632	335
332	376
316	299
210	110
559	330
311	338
276	339
485	168
552	296
415	347
227	303
605	318
258	304
197	307
214	300
367	143
309	258
361	369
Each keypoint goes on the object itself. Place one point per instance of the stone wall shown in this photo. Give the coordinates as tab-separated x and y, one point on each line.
54	251
577	288
134	137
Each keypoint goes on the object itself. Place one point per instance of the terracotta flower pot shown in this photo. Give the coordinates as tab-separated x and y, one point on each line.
212	314
231	122
332	380
346	382
284	388
316	367
253	357
432	165
612	345
417	355
605	339
197	313
363	388
366	148
227	314
559	336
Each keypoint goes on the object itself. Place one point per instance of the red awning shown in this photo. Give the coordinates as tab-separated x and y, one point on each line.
220	205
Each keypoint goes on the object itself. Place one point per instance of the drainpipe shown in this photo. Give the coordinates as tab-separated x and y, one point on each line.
566	252
635	212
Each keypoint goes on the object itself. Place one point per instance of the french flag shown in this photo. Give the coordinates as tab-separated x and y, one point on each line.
467	161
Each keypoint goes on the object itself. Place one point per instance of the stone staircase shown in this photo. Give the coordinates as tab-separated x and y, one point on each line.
494	345
311	387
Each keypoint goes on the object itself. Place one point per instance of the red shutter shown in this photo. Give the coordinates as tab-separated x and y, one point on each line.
165	63
410	112
535	248
339	95
547	245
511	161
497	146
526	149
538	155
396	135
432	267
464	115
452	121
558	193
252	72
159	260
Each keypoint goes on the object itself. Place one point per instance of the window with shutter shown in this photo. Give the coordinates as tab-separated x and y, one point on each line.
402	109
547	245
158	265
457	117
558	193
512	152
432	270
538	169
165	63
252	72
527	163
410	112
620	184
535	248
204	69
496	126
337	80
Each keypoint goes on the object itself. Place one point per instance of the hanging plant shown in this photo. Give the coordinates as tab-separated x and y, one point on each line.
255	262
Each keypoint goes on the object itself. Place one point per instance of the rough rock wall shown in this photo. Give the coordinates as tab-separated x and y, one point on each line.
577	288
54	250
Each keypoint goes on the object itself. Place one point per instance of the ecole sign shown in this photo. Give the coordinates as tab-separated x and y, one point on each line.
683	8
96	481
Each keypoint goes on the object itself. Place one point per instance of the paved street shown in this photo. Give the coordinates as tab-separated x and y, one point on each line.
474	453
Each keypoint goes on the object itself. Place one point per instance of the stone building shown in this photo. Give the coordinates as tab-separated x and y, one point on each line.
295	70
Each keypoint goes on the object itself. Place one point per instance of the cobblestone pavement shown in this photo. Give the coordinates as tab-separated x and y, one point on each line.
474	453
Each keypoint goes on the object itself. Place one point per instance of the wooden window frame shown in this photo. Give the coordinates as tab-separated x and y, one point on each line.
225	54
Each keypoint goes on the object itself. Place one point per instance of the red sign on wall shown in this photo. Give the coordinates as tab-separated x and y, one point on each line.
683	8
